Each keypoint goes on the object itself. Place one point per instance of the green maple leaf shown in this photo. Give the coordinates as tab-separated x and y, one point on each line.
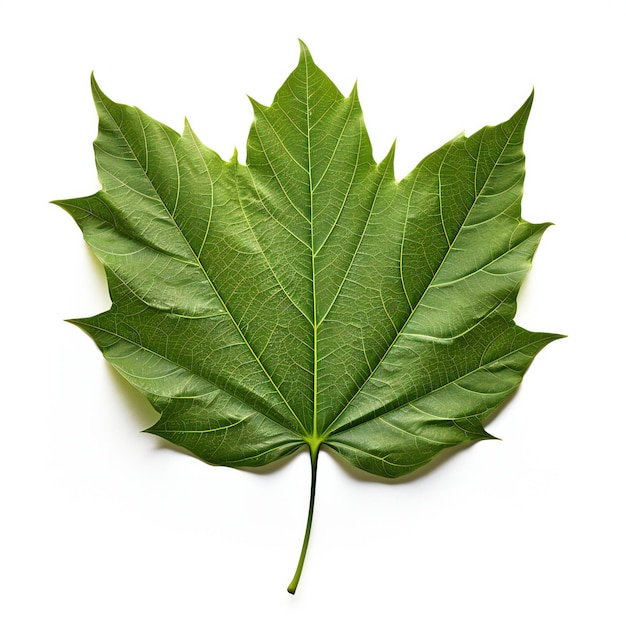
308	298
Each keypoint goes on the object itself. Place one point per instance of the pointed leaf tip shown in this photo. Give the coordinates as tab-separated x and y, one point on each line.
304	49
529	101
305	54
97	93
524	111
354	93
388	161
95	88
256	104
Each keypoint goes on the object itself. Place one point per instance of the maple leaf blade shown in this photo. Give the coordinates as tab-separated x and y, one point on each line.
317	274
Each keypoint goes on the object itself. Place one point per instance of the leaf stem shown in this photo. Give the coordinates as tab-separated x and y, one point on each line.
293	585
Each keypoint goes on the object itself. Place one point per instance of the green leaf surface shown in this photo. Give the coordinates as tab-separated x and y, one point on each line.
307	297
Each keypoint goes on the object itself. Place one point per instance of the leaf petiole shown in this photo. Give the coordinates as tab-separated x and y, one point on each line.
305	544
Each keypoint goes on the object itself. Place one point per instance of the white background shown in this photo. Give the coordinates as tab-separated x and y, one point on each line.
103	525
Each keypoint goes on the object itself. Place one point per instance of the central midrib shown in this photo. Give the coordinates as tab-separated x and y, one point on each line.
314	443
